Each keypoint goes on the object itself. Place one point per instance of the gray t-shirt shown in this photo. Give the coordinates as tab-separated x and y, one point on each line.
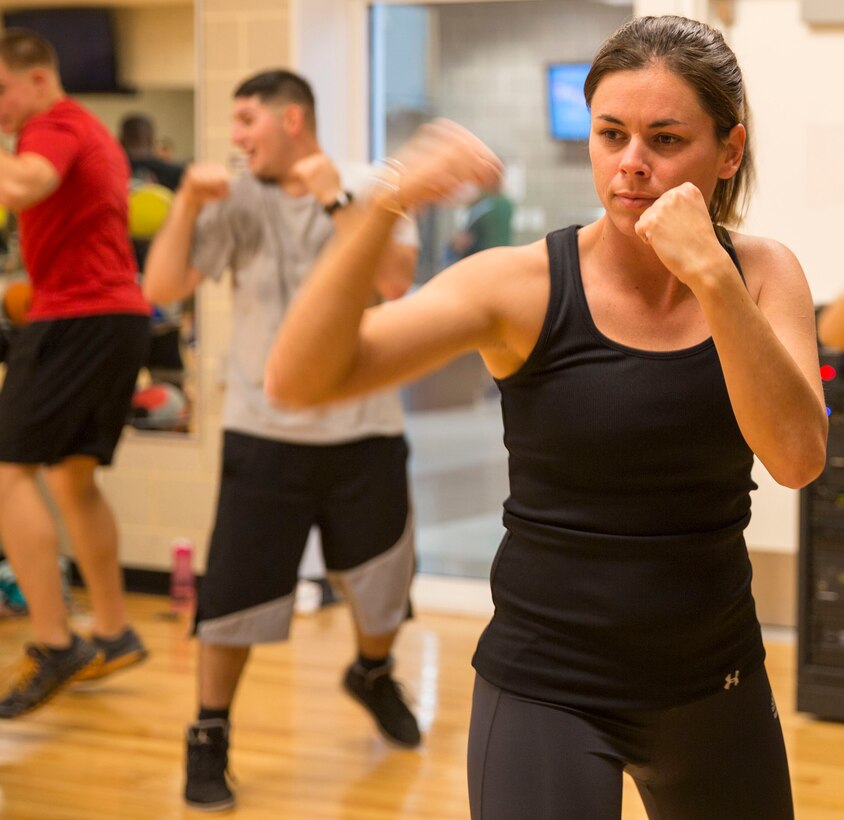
269	241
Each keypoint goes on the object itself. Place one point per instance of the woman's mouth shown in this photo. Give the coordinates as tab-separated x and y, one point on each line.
634	201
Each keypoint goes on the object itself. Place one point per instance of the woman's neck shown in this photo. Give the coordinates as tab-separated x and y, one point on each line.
628	261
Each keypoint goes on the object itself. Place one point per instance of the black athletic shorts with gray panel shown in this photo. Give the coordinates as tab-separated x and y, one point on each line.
271	494
68	387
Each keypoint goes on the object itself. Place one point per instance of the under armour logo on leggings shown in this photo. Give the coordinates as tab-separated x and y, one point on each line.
731	680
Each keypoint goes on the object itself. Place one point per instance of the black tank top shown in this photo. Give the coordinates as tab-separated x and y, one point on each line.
623	580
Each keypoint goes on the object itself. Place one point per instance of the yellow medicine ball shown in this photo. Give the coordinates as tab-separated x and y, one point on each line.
148	207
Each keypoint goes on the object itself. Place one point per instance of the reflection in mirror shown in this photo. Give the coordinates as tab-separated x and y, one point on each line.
161	400
138	77
484	65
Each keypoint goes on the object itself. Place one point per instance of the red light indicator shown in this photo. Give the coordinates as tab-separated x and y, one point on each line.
828	372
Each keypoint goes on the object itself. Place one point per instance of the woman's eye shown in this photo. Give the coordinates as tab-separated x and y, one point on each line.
667	139
611	134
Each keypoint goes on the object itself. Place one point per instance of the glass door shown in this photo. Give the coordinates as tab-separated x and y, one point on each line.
485	65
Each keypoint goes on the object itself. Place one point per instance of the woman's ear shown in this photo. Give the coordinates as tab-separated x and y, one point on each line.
733	151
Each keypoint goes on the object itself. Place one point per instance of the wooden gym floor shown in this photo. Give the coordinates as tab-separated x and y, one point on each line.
302	750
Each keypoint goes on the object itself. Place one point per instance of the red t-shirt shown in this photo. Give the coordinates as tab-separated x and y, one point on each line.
75	243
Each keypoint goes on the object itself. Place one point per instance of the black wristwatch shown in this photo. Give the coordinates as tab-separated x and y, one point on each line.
344	199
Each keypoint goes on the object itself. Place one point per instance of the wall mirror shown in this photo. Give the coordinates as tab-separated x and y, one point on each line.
133	60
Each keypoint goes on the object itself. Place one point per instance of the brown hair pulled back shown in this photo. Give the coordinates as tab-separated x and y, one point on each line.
698	54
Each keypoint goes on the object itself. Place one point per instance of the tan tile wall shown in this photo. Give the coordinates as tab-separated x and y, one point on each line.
161	486
172	62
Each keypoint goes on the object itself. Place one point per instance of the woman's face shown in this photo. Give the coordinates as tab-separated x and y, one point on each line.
649	134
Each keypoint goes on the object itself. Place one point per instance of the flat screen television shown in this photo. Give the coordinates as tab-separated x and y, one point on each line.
567	112
84	42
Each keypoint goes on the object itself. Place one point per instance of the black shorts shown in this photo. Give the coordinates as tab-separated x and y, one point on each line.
271	494
68	387
165	361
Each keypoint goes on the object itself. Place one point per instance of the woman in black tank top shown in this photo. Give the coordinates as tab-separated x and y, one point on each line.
643	361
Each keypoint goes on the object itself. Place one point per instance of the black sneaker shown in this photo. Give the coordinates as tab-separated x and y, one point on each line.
125	650
46	672
377	692
206	786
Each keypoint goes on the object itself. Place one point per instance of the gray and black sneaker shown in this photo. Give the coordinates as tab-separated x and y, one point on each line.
381	696
125	650
45	672
207	781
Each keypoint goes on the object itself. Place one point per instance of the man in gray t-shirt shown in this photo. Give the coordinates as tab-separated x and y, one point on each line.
341	468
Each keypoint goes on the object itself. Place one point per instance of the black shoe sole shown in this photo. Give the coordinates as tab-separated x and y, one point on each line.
208	808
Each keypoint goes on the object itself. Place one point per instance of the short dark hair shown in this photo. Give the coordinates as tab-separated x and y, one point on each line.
280	85
698	54
21	49
137	132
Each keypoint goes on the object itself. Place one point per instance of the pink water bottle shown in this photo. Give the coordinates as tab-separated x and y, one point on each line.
182	580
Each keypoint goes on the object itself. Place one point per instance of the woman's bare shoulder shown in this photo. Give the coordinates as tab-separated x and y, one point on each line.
761	250
766	261
771	271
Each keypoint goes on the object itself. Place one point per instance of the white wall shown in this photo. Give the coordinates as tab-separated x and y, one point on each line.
793	73
328	45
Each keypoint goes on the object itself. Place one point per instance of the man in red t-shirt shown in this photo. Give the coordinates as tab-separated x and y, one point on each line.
71	370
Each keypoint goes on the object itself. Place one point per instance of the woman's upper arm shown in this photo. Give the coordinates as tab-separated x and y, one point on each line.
466	307
784	298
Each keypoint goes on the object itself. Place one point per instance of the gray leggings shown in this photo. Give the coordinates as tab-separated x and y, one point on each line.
719	758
